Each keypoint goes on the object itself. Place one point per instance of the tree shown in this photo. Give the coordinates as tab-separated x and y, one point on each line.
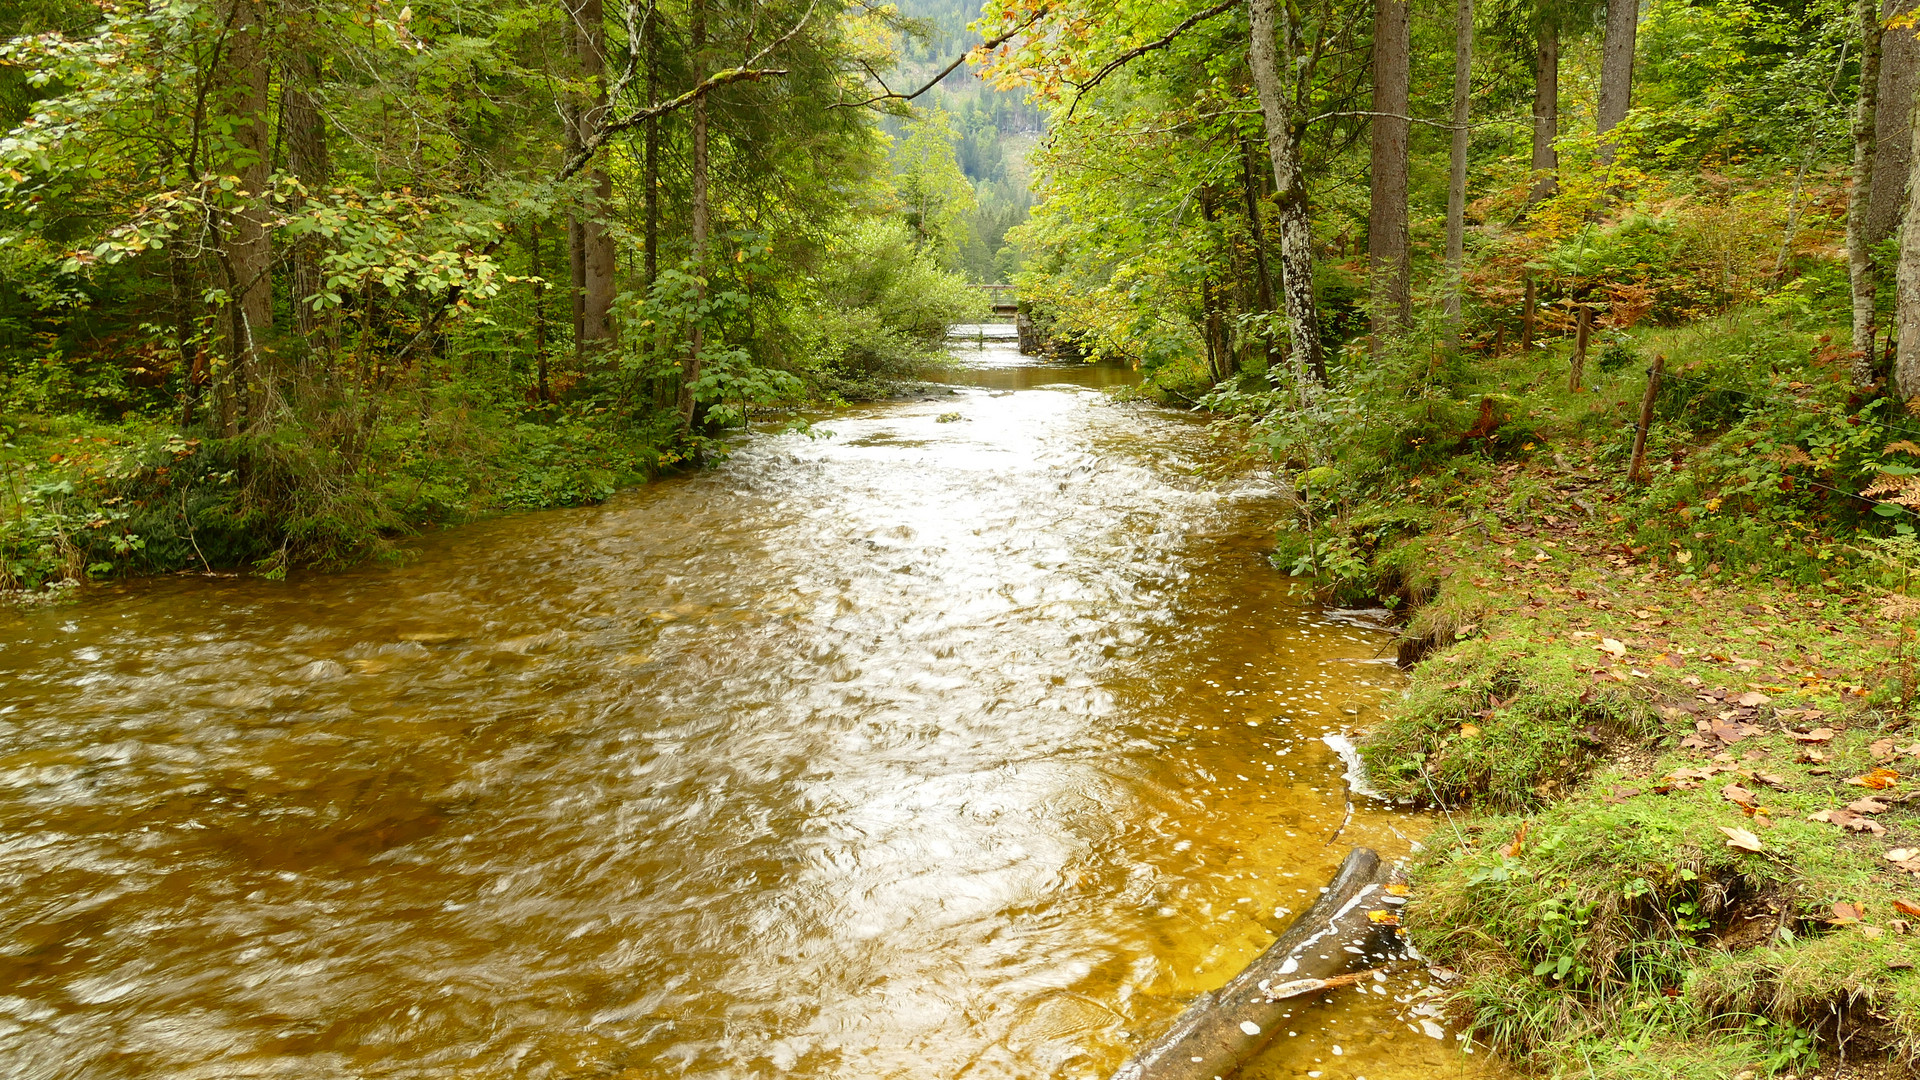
590	246
1859	256
245	246
1546	106
1899	71
1457	157
1616	72
1280	41
934	193
1389	247
1906	361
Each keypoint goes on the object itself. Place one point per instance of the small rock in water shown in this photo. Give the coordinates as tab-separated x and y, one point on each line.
1249	1027
946	418
321	671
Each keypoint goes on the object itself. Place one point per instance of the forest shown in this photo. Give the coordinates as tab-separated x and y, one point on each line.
1585	335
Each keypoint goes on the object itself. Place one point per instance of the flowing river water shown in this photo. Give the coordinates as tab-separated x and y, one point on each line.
970	741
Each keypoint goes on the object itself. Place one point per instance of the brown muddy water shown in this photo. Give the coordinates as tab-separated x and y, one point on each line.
961	749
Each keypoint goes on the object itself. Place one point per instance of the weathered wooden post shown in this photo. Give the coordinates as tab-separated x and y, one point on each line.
1583	330
1637	469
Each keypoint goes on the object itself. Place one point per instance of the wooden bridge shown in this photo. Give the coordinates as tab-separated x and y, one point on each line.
1005	301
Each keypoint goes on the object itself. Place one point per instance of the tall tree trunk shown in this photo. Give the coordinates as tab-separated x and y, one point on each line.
1284	121
245	245
1899	66
1616	72
307	160
1389	254
650	169
1263	279
593	259
1220	361
1546	111
539	285
1906	358
696	339
1457	175
1866	15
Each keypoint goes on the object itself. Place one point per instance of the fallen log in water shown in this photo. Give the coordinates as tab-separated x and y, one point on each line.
1222	1029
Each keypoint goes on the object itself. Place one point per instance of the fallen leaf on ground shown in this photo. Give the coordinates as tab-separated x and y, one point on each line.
1849	820
1741	839
1739	796
1882	749
1878	779
1613	646
1817	735
1844	912
1753	699
1771	779
1906	907
1512	851
1868	805
1902	854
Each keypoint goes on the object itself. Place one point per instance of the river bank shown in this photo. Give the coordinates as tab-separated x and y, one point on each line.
1670	723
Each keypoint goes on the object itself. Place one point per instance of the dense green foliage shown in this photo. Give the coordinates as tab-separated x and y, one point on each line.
337	255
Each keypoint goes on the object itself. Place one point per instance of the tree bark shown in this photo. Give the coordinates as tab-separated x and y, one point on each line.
1457	176
650	168
1906	357
1899	65
1263	280
696	338
1546	112
1860	275
246	251
1389	250
1284	122
593	262
307	160
1220	360
1616	72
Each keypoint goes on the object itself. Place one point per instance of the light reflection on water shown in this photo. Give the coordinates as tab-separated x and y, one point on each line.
943	747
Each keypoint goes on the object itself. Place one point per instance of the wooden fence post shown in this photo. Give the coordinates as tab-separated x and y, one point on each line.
1637	470
1582	332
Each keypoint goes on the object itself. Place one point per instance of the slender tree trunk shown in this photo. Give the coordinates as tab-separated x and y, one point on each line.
1546	112
1389	254
1283	120
541	385
650	169
696	340
593	260
1263	280
1859	256
1457	176
1899	66
1906	356
1616	72
1219	350
246	247
307	160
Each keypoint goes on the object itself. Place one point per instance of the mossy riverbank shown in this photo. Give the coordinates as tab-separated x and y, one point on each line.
1671	724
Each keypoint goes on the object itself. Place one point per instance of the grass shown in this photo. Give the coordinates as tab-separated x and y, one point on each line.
1609	675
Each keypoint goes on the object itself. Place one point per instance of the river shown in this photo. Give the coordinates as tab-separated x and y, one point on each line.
971	739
